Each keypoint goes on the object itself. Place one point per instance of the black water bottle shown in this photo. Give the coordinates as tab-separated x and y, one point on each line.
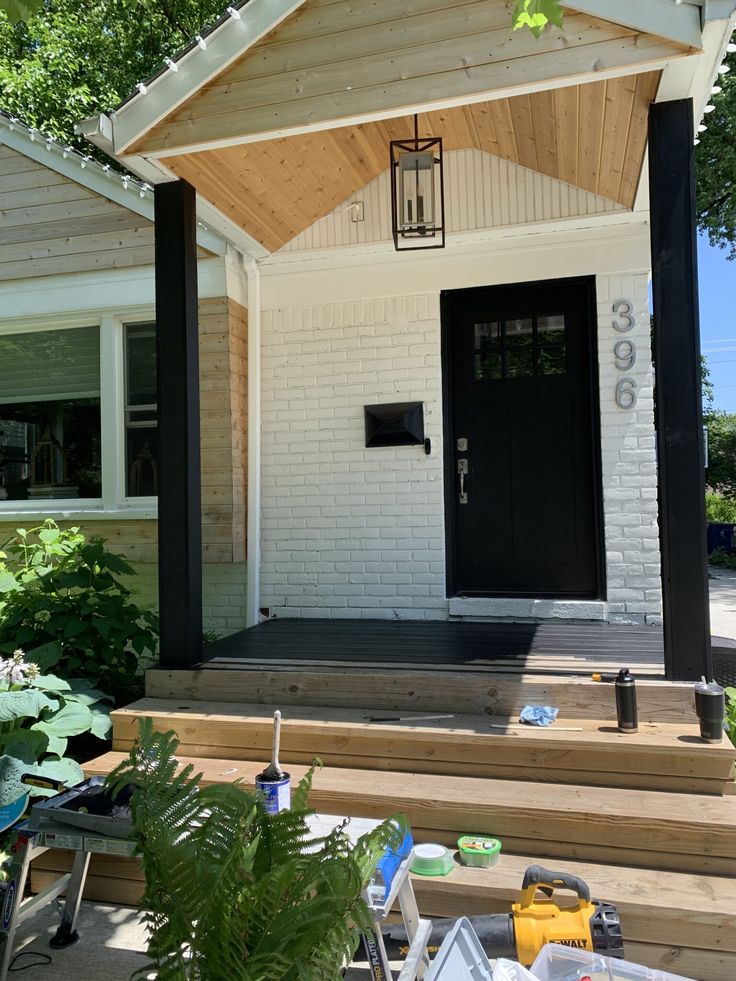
628	718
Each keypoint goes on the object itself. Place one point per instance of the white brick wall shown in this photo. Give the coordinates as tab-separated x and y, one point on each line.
353	532
629	459
349	531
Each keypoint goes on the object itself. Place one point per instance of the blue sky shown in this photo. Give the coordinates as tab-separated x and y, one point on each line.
718	321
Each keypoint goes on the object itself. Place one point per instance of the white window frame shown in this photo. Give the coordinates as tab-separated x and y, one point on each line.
114	502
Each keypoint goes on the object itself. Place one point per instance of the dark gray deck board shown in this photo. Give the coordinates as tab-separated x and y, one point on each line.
534	647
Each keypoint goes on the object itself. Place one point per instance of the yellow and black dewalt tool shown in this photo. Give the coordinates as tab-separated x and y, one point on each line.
533	922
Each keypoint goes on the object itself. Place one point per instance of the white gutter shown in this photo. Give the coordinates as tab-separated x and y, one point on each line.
253	546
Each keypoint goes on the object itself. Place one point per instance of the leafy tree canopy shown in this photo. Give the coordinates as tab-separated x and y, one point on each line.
78	57
721	474
716	164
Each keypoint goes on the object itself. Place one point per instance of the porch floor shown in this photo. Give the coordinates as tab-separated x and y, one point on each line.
545	648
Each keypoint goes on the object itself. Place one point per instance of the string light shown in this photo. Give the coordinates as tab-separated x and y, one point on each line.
709	108
172	64
201	42
730	47
723	69
141	88
235	14
716	90
702	128
696	142
66	151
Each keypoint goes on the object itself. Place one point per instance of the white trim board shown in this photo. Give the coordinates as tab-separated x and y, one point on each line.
345	275
196	67
115	289
680	22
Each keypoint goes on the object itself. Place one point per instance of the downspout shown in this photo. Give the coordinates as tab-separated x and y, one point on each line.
253	541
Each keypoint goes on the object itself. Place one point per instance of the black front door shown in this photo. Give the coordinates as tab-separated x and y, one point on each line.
522	473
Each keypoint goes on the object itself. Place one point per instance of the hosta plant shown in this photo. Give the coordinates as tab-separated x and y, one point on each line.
38	714
61	596
233	892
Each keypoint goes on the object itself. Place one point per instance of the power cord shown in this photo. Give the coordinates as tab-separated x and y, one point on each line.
43	960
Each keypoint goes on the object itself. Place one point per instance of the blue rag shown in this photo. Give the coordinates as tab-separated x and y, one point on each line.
538	715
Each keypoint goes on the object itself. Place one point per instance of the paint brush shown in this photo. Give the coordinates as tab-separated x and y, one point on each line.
406	718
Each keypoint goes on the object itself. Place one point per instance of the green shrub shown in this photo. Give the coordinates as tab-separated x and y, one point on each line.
731	714
61	600
721	558
38	715
720	508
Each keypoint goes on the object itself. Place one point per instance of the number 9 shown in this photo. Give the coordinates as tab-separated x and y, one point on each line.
626	393
625	354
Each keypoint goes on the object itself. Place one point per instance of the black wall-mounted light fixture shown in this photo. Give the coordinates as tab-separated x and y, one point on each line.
417	193
394	424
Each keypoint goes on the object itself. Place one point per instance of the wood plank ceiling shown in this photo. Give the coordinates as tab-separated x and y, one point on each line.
592	136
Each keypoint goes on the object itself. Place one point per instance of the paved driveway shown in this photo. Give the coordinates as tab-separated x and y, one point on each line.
723	602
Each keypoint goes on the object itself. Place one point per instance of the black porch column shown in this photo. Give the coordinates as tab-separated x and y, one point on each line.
678	391
179	489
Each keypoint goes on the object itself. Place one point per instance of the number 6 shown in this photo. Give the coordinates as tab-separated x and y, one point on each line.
626	393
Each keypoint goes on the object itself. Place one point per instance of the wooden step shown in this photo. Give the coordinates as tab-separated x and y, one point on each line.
473	692
661	756
671	921
682	832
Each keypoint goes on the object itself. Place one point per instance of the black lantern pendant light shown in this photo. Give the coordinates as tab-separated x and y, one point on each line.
417	193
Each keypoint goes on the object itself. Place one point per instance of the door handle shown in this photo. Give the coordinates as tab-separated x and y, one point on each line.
462	469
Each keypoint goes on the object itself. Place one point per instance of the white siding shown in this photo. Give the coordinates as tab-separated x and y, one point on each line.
481	191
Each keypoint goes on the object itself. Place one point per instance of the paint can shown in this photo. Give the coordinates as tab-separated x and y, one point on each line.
276	793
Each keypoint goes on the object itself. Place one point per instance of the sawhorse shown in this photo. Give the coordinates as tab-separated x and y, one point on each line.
27	846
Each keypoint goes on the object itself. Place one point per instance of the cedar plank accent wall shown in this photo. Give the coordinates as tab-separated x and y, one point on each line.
590	136
223	380
223	326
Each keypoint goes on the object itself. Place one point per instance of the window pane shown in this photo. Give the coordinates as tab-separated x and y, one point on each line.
141	430
552	361
551	330
520	362
487	351
519	333
50	415
141	364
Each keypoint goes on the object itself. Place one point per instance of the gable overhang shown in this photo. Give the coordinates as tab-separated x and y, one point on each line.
175	118
240	30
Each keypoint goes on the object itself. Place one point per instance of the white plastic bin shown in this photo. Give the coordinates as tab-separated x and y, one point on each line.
461	957
558	963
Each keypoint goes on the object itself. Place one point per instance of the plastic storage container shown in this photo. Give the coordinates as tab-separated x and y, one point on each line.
461	957
558	963
479	851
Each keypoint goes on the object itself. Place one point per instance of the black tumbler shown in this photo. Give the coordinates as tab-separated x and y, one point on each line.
628	717
710	704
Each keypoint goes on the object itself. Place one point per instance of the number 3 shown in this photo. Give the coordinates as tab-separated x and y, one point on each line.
626	310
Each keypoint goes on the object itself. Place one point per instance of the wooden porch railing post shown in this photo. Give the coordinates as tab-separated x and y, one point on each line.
179	491
678	391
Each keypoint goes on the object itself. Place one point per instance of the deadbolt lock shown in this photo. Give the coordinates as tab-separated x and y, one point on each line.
462	444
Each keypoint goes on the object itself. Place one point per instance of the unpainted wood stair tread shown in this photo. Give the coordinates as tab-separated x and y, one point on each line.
458	796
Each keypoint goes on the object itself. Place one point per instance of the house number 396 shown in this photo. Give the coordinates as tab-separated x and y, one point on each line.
624	353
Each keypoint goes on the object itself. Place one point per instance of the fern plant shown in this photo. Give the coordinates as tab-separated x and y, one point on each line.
233	892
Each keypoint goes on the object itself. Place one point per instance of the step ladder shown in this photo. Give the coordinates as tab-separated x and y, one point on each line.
418	930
